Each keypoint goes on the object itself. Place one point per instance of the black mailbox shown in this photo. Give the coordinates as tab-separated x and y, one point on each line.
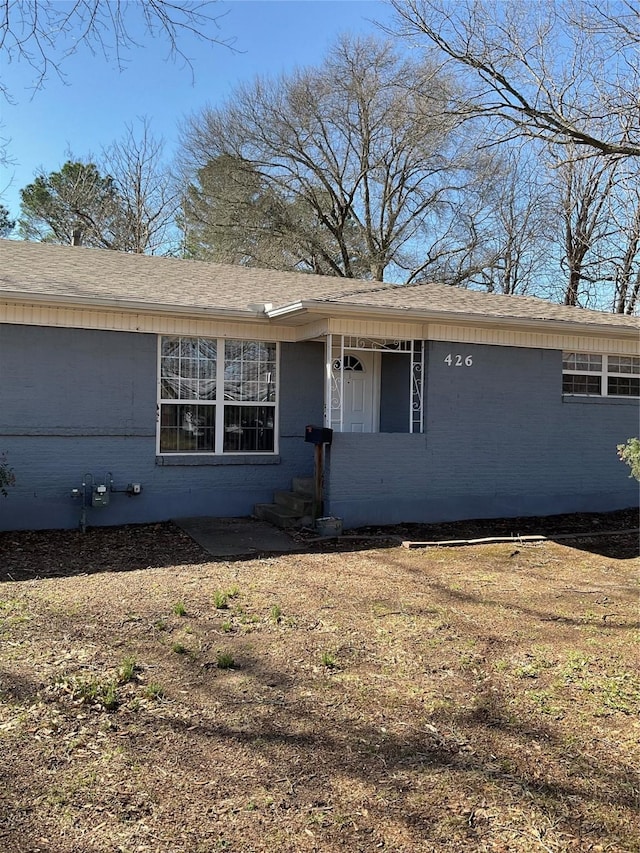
318	435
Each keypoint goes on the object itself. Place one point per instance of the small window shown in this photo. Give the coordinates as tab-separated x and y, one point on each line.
581	361
624	364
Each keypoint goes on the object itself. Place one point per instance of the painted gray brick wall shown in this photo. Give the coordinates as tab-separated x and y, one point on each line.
499	440
73	381
394	392
301	387
76	402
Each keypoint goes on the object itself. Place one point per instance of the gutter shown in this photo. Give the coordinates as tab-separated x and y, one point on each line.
263	312
333	309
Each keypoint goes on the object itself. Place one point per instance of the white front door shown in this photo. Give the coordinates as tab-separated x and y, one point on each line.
359	391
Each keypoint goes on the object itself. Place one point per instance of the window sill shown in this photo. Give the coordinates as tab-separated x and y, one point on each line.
208	459
599	400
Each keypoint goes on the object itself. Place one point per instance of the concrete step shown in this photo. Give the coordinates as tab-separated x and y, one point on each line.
304	485
297	501
280	515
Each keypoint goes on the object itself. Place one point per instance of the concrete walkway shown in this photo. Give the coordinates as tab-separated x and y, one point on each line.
237	537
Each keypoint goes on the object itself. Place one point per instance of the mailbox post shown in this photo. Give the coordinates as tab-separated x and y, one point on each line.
318	436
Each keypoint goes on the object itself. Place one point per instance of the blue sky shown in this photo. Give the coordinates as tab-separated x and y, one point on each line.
96	101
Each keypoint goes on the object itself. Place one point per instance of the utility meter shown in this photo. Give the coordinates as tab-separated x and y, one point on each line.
100	496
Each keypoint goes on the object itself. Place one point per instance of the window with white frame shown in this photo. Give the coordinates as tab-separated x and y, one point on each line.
217	396
593	375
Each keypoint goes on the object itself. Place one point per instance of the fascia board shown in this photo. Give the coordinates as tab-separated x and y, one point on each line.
128	305
336	310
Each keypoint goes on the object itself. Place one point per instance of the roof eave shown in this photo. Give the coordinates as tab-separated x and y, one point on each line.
334	309
70	301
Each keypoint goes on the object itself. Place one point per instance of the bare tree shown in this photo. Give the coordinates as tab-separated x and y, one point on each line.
621	255
599	207
627	277
585	187
521	226
148	195
510	234
43	33
499	229
565	71
357	162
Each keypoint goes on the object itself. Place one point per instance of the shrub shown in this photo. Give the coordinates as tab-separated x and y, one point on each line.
7	477
630	453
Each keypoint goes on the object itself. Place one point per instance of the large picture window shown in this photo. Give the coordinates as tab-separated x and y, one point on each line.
217	396
592	375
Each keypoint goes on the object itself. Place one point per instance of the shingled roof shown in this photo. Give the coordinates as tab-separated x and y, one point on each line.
444	298
107	276
82	275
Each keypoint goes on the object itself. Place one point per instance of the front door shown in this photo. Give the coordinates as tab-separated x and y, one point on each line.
359	391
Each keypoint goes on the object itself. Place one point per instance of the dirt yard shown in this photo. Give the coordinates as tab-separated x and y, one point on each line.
356	696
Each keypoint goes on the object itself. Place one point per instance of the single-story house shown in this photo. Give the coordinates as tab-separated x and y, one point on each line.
138	389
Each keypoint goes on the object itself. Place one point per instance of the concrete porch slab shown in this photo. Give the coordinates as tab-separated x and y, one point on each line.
236	537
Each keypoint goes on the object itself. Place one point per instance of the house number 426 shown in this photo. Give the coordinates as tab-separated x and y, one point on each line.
457	360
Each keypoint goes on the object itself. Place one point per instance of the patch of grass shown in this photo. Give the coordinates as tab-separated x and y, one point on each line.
220	600
222	597
227	627
127	670
619	693
12	613
160	624
154	691
224	660
534	664
179	609
576	666
527	670
470	660
543	699
328	660
99	693
276	614
179	648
